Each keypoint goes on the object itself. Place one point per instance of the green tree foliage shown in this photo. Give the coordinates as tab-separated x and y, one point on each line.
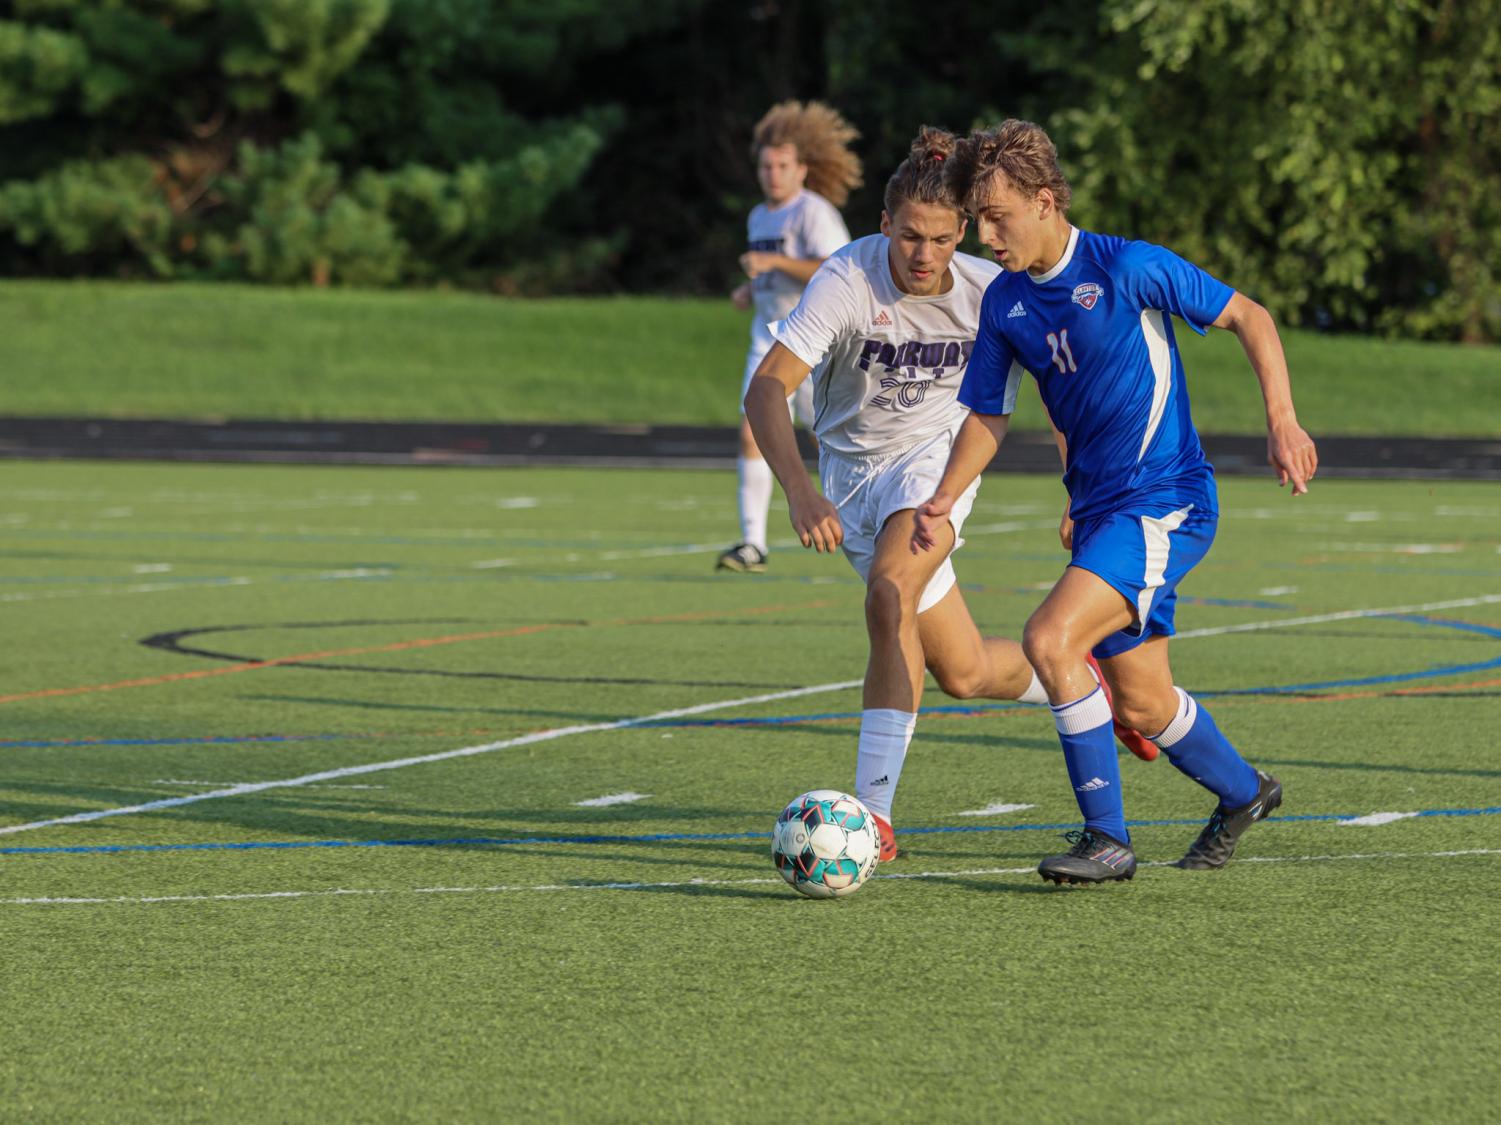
37	65
361	141
1339	161
1327	158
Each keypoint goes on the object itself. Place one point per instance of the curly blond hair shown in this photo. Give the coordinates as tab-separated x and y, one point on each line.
822	139
1018	150
920	178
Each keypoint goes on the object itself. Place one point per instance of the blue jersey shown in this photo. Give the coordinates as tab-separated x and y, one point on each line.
1096	333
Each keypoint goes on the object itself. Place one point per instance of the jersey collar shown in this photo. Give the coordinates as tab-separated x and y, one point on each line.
1068	256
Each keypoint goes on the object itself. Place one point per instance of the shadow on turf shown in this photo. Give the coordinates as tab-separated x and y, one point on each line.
431	709
296	817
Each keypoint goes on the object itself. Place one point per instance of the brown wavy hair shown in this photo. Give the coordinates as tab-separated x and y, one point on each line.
1018	150
822	139
921	177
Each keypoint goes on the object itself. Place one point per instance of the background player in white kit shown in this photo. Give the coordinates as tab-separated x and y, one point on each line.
806	172
888	323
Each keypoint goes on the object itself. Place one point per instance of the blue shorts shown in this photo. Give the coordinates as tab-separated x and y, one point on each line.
1144	555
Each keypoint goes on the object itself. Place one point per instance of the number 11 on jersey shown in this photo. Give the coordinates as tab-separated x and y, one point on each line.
1058	341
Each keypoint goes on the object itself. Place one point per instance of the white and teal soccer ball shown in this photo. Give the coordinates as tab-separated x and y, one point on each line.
825	844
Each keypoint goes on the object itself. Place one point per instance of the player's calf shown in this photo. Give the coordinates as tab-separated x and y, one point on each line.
1129	737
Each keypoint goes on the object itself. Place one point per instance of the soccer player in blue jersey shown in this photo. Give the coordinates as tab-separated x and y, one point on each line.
1089	315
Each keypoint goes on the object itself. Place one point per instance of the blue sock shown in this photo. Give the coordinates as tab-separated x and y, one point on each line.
1093	768
1197	748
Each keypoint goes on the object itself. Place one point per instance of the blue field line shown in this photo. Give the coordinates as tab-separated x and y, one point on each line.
1445	623
650	838
1392	678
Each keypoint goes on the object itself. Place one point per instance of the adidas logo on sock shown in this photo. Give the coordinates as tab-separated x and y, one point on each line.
1093	785
1016	310
884	779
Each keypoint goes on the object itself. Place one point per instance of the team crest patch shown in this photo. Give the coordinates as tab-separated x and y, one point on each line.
1087	294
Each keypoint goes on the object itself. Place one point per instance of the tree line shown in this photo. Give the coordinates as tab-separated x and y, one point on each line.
1340	162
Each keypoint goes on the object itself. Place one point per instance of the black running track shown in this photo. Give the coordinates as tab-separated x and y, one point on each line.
511	444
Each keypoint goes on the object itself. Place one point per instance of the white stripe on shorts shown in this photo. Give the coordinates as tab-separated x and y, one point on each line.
1155	532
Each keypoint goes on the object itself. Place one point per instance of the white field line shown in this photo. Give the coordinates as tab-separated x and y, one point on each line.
226	784
515	888
183	584
1343	615
996	809
656	552
1394	548
137	588
1375	819
422	759
611	799
590	728
1005	526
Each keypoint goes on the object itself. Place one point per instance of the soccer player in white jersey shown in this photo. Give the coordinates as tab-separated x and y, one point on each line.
886	327
1090	316
806	171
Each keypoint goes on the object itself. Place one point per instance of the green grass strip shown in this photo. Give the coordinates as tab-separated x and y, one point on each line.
218	351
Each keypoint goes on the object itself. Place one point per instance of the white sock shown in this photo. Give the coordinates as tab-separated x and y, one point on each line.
755	500
1035	692
884	737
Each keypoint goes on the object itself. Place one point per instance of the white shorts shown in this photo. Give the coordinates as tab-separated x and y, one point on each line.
800	402
869	490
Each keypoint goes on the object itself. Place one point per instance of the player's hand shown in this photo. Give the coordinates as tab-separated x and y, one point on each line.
928	519
1290	451
816	522
740	296
757	262
1066	526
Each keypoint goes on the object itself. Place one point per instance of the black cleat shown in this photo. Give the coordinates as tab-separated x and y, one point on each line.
742	557
1216	844
1094	858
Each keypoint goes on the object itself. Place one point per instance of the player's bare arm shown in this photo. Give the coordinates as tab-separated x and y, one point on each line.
757	262
1066	524
1290	451
974	446
813	518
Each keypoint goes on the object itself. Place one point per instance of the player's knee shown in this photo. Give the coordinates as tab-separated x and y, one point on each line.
1044	644
887	602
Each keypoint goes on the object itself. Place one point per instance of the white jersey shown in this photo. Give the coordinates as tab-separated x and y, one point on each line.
806	226
886	365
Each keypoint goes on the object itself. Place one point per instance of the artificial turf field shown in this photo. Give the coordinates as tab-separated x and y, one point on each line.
461	938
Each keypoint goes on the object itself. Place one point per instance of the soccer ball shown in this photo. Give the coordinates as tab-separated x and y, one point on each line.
825	844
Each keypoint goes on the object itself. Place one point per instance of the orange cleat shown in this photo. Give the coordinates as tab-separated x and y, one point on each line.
889	850
1134	741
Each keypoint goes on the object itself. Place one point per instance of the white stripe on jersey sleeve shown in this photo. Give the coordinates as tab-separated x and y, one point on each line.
1013	383
1155	333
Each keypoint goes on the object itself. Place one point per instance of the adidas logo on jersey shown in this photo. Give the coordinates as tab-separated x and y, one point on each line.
1016	310
882	320
1092	785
